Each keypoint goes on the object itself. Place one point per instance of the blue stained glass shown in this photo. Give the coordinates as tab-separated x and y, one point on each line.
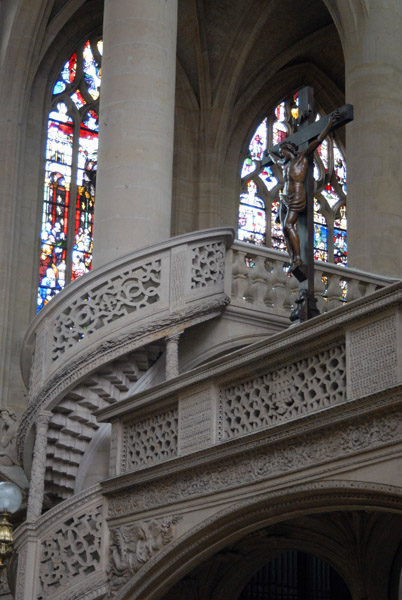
252	216
268	178
67	173
59	87
91	121
78	99
320	242
69	70
258	142
340	247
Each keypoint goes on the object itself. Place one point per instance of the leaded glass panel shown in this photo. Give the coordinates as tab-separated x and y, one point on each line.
330	225
70	172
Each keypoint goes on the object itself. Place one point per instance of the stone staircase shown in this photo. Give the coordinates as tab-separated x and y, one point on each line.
74	424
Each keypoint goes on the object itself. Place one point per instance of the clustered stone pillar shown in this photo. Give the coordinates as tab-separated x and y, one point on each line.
373	49
172	355
134	181
37	485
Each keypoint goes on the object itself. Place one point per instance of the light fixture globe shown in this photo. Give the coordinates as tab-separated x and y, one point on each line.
10	497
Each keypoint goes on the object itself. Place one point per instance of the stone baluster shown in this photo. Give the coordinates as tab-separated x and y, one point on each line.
240	273
280	287
37	486
319	289
259	281
172	355
334	291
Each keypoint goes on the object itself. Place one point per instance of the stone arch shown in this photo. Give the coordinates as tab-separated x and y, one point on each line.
234	522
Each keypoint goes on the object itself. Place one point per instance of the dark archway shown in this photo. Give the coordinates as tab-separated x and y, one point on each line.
296	575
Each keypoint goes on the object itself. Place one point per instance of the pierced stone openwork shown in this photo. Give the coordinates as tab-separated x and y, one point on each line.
126	293
70	553
208	265
150	441
287	393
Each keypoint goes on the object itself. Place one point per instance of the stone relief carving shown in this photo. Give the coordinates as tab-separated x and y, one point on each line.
150	441
128	292
373	356
10	469
289	392
208	265
133	545
262	463
71	552
8	438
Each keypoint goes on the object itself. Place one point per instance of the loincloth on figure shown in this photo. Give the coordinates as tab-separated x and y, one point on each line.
290	202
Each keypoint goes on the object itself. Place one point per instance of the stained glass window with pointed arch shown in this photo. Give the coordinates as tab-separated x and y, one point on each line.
70	172
259	224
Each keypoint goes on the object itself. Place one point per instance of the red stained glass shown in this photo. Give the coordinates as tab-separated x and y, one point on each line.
70	176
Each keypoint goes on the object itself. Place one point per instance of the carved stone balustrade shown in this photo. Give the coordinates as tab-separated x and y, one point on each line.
260	280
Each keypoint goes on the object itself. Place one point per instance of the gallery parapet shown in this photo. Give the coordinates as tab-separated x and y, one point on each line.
112	309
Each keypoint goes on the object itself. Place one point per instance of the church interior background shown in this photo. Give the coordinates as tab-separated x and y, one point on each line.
174	436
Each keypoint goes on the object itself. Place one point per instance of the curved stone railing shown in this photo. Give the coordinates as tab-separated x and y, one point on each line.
260	280
49	547
143	294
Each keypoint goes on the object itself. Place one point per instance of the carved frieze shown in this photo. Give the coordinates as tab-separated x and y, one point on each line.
265	462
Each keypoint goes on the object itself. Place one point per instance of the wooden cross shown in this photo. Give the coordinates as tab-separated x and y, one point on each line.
308	130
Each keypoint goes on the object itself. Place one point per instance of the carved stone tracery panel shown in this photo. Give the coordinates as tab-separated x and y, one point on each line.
71	553
150	441
208	265
287	393
126	293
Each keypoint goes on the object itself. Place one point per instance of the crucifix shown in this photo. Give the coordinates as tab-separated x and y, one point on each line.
296	208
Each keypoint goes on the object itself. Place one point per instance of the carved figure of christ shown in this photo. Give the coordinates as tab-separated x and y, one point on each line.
295	156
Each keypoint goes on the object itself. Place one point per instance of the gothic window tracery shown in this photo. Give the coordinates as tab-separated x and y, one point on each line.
70	172
330	175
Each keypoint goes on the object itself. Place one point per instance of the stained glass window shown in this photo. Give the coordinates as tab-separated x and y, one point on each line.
70	172
330	225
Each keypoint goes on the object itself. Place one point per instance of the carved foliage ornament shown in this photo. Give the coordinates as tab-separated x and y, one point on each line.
132	545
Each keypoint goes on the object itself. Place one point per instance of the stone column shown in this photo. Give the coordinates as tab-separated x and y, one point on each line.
134	181
37	483
172	355
373	49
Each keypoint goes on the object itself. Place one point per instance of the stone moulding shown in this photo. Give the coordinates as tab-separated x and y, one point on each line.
318	442
246	516
324	331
